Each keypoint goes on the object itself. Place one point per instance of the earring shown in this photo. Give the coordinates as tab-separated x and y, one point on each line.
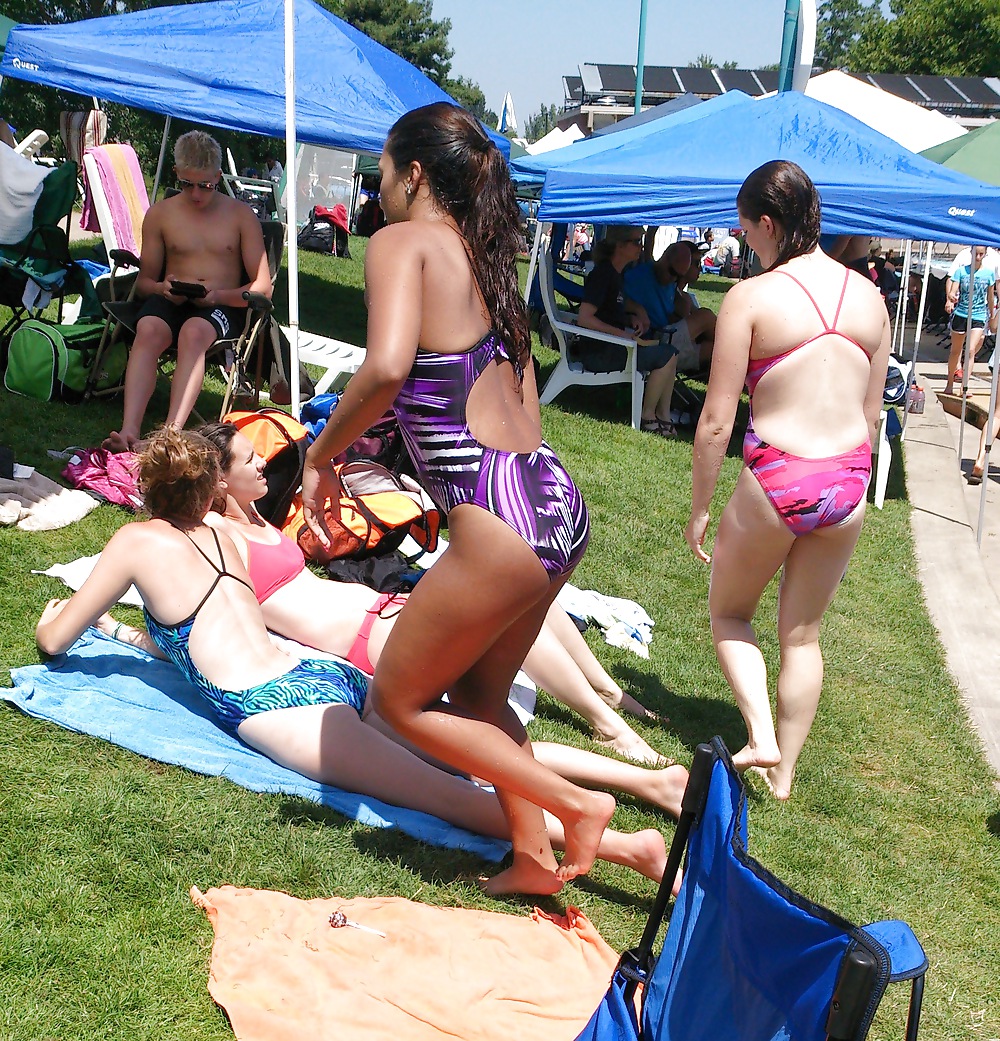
409	188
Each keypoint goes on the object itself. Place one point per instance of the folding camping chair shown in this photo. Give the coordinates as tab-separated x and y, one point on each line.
35	263
568	371
245	349
745	957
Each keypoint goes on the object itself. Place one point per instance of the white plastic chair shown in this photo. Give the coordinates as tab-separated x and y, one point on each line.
569	372
32	144
339	359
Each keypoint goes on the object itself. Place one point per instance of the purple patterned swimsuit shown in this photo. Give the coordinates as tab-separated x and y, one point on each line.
528	491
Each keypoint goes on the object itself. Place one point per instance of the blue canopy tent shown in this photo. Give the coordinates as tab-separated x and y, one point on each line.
533	168
688	173
222	64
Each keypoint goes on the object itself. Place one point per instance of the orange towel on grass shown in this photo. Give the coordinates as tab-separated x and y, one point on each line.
282	973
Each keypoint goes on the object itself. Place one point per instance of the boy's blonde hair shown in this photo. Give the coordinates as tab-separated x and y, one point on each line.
197	150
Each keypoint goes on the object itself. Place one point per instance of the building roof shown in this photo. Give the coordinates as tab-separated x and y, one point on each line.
601	84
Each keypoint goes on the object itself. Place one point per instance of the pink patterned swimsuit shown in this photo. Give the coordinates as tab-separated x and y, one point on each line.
807	493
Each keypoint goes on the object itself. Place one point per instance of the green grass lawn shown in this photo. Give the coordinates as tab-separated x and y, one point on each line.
895	812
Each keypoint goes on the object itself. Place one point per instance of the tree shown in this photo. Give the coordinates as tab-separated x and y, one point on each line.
933	37
406	27
839	26
706	61
541	123
470	96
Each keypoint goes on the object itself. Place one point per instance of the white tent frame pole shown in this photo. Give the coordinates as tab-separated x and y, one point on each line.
966	361
899	329
904	287
291	205
162	156
986	461
533	263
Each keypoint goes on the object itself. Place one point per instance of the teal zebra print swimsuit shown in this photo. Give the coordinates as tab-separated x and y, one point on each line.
312	682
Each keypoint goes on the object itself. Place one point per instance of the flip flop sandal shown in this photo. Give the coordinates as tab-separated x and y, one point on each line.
659	427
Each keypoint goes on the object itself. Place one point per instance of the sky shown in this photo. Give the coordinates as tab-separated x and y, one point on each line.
527	46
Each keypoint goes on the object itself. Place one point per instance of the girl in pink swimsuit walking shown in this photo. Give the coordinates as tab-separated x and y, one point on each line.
810	339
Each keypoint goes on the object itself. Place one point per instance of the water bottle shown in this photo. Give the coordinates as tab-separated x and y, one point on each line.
916	399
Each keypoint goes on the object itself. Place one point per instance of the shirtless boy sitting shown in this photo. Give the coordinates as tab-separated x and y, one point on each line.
199	236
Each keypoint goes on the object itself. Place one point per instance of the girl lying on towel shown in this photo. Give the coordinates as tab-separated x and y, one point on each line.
310	716
353	621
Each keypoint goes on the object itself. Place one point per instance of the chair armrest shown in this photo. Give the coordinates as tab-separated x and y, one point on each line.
258	302
593	334
123	258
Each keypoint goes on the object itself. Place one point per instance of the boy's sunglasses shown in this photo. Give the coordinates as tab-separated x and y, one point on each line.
208	186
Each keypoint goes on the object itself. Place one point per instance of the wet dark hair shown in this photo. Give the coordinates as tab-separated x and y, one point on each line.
783	191
220	436
178	475
468	178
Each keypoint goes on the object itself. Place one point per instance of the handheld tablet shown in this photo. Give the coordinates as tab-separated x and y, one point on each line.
193	290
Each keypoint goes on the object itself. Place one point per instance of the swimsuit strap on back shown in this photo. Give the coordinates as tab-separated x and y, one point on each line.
220	571
827	327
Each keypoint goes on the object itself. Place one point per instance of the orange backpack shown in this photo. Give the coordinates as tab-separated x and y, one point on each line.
281	440
375	512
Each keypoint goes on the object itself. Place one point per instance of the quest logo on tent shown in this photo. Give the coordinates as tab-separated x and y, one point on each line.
26	65
957	211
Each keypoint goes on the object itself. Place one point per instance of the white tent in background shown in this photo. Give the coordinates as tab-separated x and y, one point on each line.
555	138
907	124
508	118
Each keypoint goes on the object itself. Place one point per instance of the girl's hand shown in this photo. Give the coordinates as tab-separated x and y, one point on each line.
52	611
695	533
319	485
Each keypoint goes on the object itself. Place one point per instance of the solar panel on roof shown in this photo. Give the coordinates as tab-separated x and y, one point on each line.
739	79
573	86
937	89
898	85
768	79
659	79
976	90
618	79
698	81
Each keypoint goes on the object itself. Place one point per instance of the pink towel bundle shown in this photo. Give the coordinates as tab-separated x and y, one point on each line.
125	191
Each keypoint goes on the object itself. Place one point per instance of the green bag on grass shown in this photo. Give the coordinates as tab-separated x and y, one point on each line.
52	362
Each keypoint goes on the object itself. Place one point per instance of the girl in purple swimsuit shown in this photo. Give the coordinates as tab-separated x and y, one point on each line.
810	340
448	342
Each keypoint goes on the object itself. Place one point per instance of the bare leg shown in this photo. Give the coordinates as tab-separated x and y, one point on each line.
658	392
456	635
750	546
196	336
662	788
980	463
332	745
813	572
152	338
552	668
597	676
954	360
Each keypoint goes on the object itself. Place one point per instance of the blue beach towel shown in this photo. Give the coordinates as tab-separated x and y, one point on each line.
116	692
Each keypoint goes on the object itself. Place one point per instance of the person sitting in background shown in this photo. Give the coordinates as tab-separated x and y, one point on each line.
849	250
272	168
659	288
6	134
607	309
197	238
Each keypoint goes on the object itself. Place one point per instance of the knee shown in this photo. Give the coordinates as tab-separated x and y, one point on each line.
195	341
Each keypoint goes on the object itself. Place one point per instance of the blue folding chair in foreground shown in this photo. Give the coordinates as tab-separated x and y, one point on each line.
746	958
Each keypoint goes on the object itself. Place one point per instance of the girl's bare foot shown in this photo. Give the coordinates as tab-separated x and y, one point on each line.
116	442
525	875
756	755
777	786
665	788
618	699
646	852
626	742
583	834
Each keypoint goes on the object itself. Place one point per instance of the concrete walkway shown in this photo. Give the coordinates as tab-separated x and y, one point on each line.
961	582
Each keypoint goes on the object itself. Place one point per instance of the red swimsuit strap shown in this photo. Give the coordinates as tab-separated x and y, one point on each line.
827	327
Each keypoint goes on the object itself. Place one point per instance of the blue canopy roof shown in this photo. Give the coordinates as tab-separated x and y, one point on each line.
531	169
688	173
222	64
